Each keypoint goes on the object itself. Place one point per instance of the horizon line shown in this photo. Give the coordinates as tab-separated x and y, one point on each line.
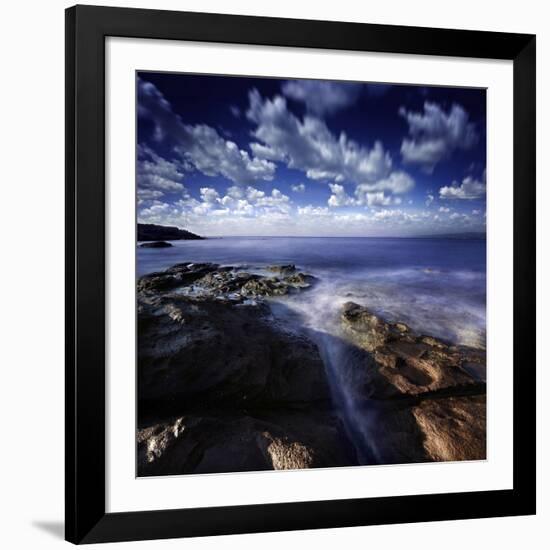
420	236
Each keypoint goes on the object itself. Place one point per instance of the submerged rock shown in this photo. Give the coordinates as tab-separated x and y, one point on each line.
156	244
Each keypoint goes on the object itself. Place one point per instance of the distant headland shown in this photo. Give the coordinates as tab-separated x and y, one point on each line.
154	232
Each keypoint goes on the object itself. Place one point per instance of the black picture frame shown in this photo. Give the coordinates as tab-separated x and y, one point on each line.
87	27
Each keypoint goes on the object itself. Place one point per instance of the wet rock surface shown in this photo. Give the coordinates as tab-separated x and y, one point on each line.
426	398
208	352
224	282
222	441
223	388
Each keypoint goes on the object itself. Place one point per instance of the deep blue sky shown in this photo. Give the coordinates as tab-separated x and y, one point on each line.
256	156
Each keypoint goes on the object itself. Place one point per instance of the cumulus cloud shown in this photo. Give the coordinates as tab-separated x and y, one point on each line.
238	201
444	209
316	211
298	188
396	183
321	96
308	145
378	199
429	199
157	212
339	196
469	189
209	195
362	197
435	134
200	145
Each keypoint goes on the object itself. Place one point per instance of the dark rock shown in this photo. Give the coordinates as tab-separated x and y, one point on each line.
222	442
208	352
222	389
299	280
177	276
153	232
283	270
218	282
156	244
264	286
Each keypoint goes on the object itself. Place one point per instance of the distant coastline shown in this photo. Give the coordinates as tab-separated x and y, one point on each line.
455	236
156	232
153	232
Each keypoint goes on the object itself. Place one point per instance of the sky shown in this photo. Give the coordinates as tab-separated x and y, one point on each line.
229	156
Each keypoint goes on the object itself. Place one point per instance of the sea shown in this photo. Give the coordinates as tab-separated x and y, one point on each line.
435	285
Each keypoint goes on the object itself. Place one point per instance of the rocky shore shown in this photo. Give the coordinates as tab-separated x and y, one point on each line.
223	387
426	399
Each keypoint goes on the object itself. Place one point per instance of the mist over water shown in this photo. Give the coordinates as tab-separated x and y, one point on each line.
437	286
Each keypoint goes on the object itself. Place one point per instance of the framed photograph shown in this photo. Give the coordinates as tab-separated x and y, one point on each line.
300	274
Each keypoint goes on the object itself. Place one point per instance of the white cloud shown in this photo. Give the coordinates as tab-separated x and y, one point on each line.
444	209
429	199
209	195
157	212
377	199
149	194
308	145
322	97
310	210
200	145
243	218
400	217
389	214
213	155
362	197
469	189
339	196
435	134
298	188
396	183
156	175
238	200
